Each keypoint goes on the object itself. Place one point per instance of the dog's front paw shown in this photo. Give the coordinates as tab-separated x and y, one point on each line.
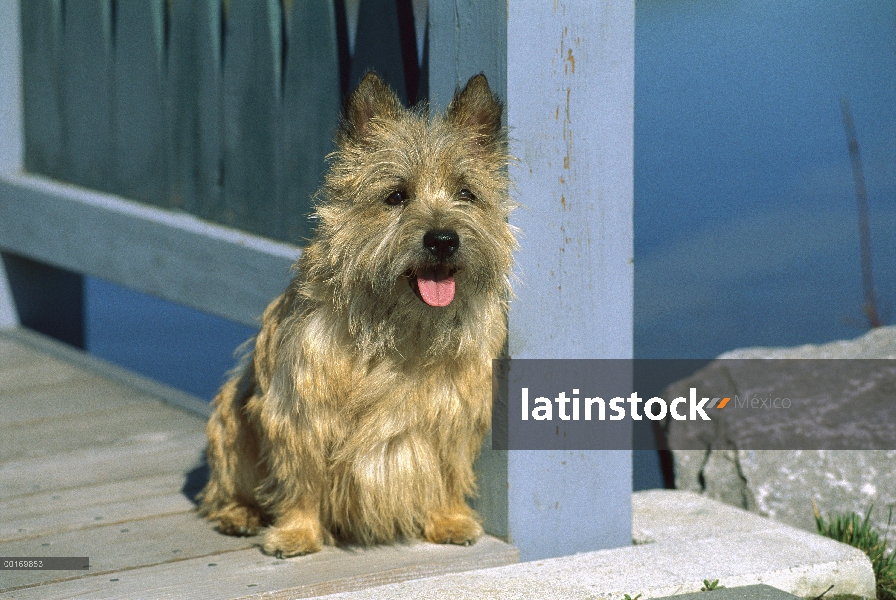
284	542
452	528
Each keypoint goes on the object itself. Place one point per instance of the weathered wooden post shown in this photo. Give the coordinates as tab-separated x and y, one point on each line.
566	70
38	295
10	132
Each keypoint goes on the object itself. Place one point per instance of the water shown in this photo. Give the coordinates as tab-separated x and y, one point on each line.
745	214
179	346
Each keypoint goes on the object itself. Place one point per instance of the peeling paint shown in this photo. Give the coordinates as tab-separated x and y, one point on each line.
571	59
568	93
567	133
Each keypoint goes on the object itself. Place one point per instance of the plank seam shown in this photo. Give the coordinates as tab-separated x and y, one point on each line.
121	570
99	524
98	366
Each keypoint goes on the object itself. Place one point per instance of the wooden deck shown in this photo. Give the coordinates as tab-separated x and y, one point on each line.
96	461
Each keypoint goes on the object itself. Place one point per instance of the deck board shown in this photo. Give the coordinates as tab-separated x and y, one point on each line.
80	508
25	369
140	420
124	546
81	394
152	455
98	462
251	574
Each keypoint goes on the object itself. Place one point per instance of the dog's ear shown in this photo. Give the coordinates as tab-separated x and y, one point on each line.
372	98
476	107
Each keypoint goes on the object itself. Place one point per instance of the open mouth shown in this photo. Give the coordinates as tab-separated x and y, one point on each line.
433	285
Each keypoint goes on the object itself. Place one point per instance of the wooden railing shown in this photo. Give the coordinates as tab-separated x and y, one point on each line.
223	109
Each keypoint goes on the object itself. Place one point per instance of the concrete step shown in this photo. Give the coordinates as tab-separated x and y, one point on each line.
681	539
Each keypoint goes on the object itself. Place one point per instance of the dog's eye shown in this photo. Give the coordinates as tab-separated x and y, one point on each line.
467	195
396	198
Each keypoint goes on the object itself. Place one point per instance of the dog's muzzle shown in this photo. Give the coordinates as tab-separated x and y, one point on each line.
434	284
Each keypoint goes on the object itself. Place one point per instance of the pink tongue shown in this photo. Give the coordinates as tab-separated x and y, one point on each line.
435	289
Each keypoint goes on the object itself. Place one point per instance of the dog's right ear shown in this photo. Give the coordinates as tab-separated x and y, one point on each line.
372	99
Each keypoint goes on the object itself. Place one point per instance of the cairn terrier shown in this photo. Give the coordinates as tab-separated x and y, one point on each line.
358	413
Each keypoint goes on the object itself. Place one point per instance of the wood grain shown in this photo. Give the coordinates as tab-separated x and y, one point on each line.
92	466
250	574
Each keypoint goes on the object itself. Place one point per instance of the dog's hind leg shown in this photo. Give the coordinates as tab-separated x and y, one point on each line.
229	497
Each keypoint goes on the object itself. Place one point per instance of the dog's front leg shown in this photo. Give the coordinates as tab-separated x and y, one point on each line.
297	530
454	522
293	491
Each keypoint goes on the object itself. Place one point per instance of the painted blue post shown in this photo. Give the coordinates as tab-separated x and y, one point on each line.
569	89
32	294
10	128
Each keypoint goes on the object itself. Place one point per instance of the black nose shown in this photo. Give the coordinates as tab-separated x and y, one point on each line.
441	243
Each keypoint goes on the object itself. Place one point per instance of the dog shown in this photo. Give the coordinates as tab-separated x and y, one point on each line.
360	408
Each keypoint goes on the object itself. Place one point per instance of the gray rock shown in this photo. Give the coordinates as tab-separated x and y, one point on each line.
781	484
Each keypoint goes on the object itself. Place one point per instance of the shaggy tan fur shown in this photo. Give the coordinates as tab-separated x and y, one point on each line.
359	412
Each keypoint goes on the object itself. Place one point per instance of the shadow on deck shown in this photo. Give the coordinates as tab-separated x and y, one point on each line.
96	461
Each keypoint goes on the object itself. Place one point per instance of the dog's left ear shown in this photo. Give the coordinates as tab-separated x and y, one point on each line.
476	107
